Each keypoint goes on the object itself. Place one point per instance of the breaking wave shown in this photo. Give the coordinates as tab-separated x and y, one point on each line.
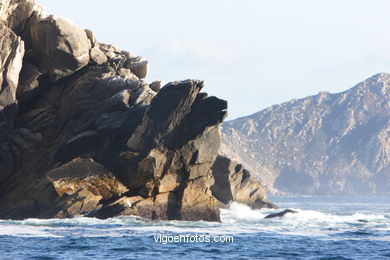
323	228
237	219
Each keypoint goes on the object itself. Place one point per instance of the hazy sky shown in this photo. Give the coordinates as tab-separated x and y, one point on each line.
253	53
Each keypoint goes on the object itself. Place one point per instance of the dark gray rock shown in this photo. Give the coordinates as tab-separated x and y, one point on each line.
280	214
156	85
234	183
60	46
32	82
11	56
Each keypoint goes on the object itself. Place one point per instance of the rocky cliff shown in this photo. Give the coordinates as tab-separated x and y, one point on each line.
323	144
82	132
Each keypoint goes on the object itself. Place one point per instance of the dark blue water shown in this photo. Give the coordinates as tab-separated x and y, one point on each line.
324	228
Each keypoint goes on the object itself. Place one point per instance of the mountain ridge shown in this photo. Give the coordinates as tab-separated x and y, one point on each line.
308	138
375	76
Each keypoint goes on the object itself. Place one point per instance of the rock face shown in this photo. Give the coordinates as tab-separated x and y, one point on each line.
59	46
82	134
323	144
234	183
12	51
85	184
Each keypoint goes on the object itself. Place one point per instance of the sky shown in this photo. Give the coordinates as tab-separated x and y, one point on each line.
252	53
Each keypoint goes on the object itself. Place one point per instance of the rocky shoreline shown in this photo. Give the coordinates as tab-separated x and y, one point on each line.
82	132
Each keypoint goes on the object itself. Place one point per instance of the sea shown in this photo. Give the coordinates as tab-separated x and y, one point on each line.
323	228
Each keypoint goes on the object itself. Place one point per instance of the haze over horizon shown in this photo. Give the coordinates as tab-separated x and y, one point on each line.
252	53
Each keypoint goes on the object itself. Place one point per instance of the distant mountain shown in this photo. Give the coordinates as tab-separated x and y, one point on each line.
322	144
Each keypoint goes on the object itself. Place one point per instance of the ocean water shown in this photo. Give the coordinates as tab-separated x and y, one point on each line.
323	228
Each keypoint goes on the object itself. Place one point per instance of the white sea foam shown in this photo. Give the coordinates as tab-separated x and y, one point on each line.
237	219
24	231
238	211
305	222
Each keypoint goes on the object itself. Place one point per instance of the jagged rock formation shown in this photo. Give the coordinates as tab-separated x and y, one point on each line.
323	144
234	183
81	132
